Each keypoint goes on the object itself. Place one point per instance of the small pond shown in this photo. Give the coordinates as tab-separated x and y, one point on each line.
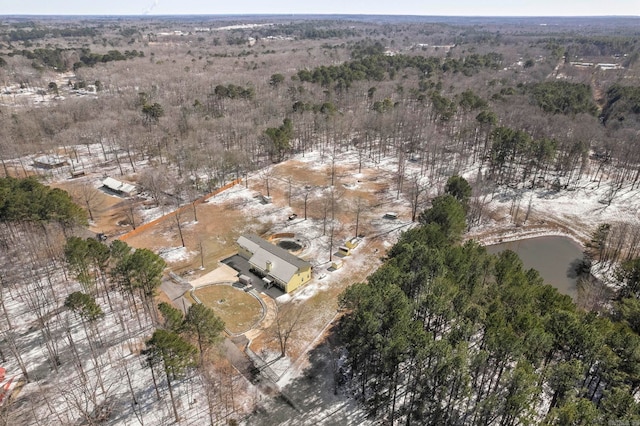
554	257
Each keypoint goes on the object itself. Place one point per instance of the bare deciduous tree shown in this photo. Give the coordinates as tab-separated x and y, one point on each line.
288	322
85	194
266	175
155	182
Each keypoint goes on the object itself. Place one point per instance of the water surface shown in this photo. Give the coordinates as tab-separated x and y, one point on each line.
554	257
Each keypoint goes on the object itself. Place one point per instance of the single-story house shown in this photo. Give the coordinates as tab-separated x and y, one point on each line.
283	269
118	187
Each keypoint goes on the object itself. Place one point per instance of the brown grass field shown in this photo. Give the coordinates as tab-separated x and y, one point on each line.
219	225
238	310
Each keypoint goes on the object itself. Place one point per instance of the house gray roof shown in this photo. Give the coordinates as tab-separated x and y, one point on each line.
284	264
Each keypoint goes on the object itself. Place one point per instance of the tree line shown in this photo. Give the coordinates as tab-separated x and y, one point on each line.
445	333
37	33
108	352
56	59
378	66
29	200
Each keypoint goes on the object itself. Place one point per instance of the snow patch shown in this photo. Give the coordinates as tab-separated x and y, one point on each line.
175	254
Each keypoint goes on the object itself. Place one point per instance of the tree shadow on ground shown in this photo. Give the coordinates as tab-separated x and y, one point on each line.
314	396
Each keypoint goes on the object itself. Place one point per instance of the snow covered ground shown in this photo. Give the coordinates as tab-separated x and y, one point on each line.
120	368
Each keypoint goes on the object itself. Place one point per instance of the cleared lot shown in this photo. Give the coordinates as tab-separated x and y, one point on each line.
238	309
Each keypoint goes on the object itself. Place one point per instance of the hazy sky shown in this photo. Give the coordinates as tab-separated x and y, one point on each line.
386	7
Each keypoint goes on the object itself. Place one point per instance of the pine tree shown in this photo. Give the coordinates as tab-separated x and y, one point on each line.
174	354
205	324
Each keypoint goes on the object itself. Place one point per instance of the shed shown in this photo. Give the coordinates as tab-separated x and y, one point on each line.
344	251
245	280
352	243
50	162
118	187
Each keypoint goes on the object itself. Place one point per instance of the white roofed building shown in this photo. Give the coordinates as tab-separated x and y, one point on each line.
118	187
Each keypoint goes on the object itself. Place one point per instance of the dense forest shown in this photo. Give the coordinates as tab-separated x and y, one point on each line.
27	200
443	332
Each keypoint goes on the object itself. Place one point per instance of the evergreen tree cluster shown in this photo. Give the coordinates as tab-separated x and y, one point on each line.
622	104
231	91
279	138
170	349
28	200
36	33
55	58
592	45
138	273
306	30
563	97
515	154
378	67
445	333
89	59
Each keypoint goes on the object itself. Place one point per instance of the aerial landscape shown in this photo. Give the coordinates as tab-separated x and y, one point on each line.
319	214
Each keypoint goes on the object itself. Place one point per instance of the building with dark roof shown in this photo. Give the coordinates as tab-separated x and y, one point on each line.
277	265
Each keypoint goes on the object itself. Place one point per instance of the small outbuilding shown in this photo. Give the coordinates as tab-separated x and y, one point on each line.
352	243
50	162
120	188
344	251
245	280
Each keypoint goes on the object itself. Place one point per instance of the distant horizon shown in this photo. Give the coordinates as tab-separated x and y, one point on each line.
318	15
418	8
321	14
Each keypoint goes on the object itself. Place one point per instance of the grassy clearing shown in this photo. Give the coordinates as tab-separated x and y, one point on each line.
238	310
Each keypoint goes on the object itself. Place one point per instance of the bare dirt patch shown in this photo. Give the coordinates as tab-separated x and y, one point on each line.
108	210
240	209
239	310
212	236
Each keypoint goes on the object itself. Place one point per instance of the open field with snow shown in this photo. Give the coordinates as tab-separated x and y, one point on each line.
355	197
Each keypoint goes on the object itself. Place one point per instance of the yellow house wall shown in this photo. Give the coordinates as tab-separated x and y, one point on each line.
298	280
